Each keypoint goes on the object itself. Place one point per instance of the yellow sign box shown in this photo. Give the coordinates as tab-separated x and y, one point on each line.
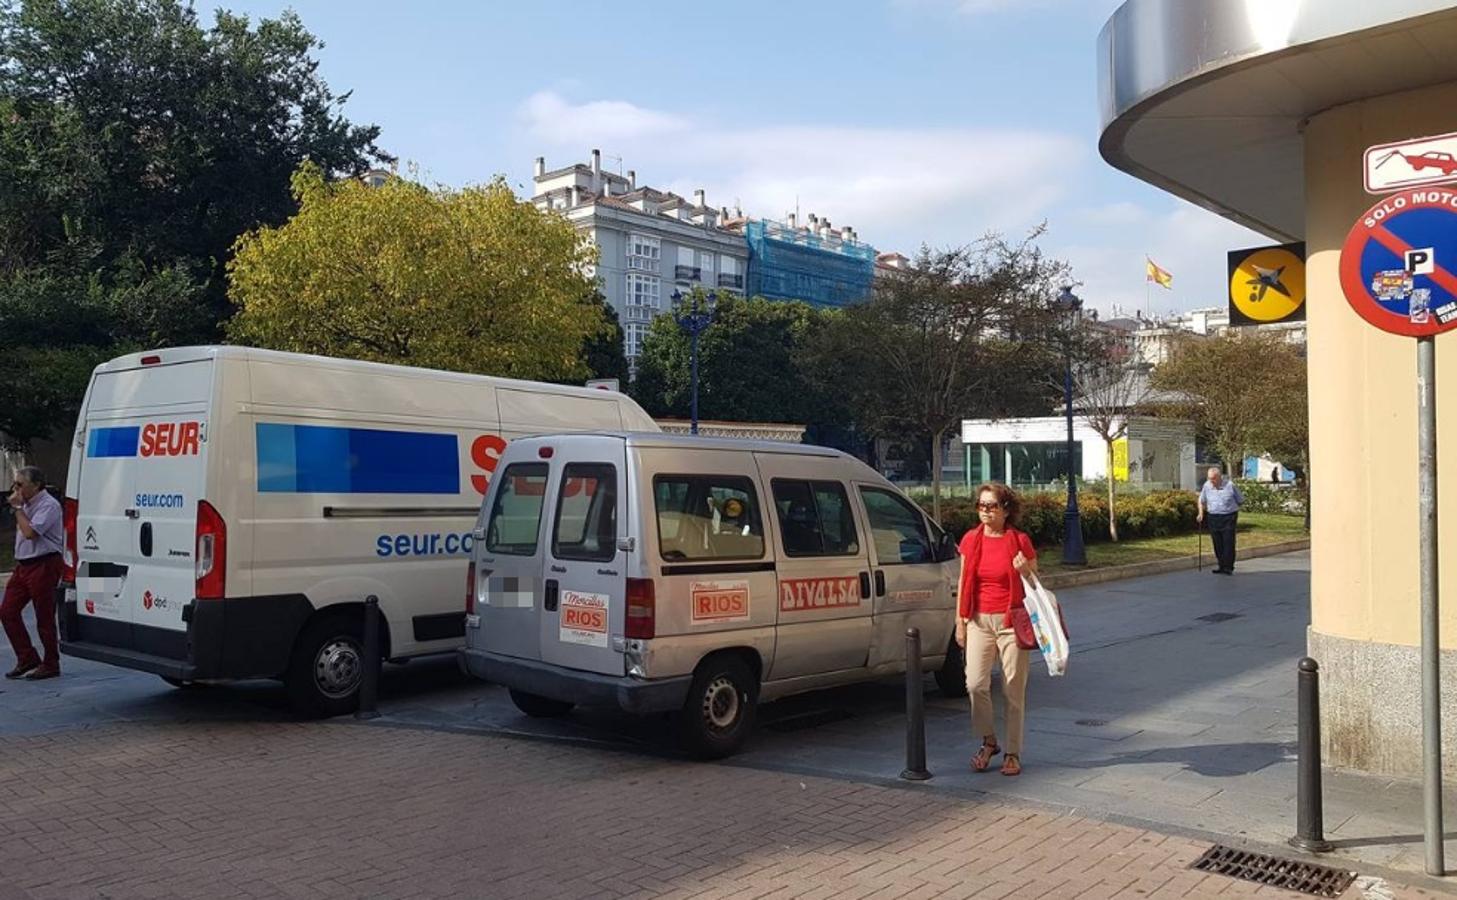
1267	285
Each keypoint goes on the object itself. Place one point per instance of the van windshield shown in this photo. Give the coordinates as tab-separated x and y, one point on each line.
708	517
515	523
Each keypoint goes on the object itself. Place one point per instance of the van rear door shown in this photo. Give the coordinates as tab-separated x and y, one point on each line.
508	560
585	589
142	477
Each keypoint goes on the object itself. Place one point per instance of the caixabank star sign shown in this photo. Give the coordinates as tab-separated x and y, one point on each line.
1399	263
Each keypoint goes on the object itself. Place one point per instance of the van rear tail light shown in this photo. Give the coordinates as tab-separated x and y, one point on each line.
69	556
212	553
470	590
641	609
151	360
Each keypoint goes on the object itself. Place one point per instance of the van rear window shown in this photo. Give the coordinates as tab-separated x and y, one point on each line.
704	517
515	523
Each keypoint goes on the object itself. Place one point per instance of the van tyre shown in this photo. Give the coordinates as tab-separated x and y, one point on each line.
181	684
539	707
951	677
326	667
718	714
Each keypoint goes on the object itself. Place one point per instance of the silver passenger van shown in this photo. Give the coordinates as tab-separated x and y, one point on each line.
700	576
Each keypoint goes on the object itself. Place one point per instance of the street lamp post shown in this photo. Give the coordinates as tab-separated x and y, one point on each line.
694	317
1073	552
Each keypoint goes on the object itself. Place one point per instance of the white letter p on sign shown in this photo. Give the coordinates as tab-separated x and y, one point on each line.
1419	262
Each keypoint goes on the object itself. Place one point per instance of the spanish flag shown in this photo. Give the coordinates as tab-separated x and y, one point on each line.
1158	276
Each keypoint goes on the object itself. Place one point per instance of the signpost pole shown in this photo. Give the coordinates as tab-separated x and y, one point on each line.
1431	638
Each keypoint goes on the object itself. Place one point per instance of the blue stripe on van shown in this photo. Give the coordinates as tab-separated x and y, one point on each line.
120	441
313	459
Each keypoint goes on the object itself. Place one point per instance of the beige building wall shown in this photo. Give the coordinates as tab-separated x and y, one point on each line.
1363	418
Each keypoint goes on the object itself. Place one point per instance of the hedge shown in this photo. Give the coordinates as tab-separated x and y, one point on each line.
1155	514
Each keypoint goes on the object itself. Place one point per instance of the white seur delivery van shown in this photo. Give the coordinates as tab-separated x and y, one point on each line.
229	509
659	573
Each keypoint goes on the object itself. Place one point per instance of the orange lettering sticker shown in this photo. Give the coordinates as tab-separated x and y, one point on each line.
719	601
797	594
583	619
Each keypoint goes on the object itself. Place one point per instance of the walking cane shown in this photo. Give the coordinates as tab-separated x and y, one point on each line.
1199	529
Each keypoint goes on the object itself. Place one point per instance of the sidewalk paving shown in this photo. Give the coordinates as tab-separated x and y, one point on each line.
266	810
1178	713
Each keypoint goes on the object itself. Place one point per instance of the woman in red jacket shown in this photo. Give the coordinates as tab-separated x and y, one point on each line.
993	556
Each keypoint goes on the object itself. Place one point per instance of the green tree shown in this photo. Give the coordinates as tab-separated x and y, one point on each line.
961	332
603	351
751	365
471	280
1246	392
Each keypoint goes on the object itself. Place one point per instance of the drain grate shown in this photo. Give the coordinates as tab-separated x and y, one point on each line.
1219	617
1307	878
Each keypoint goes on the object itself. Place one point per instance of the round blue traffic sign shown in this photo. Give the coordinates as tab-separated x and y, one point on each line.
1399	263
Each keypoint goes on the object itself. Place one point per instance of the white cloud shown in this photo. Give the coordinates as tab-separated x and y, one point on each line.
902	187
898	187
548	116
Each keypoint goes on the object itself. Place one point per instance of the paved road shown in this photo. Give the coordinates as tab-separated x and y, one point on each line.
265	810
1177	713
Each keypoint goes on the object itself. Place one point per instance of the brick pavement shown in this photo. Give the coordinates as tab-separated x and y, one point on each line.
265	810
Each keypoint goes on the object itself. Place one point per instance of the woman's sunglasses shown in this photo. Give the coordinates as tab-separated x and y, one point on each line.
988	507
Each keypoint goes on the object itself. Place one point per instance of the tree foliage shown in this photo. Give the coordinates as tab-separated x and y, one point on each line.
751	365
472	280
135	146
1247	393
960	333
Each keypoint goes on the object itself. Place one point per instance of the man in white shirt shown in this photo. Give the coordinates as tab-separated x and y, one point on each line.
1221	500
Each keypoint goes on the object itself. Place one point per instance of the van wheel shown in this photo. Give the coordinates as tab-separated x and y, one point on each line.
539	707
718	714
951	677
327	664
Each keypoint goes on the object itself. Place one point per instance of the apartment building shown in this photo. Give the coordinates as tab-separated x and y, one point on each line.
651	243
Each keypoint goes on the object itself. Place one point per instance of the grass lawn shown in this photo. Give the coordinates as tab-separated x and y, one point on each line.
1255	530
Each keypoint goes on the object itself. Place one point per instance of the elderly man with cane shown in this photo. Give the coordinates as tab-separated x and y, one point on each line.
1220	499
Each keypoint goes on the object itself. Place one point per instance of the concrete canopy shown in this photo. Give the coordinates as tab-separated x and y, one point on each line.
1206	99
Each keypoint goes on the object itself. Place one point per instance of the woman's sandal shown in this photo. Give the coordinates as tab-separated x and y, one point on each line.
983	758
1012	764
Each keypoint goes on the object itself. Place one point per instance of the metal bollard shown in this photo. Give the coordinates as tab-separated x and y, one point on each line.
1309	816
369	671
915	711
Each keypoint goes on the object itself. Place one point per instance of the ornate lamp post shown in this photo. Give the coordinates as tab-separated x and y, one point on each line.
1073	553
694	316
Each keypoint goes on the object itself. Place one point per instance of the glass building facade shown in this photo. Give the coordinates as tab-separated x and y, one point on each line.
1021	464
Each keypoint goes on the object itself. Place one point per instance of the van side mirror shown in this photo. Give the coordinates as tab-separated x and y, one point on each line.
479	534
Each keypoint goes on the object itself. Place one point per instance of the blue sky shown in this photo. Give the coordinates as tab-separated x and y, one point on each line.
915	121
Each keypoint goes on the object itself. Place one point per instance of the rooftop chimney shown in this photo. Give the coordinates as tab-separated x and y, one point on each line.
596	171
698	198
792	220
576	196
631	180
846	234
540	166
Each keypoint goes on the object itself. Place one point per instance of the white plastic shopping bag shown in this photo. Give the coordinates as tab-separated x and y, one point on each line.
1046	619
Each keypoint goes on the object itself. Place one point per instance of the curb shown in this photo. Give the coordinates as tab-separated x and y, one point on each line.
1162	566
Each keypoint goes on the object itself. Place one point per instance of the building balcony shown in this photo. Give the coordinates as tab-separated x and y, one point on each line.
733	282
638	313
643	264
687	273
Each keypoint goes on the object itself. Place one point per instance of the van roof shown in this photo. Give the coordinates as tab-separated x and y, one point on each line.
222	351
689	441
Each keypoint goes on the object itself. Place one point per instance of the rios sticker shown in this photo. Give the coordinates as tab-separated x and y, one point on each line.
584	619
719	601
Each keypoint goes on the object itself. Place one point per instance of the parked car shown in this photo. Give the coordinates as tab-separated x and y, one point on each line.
660	573
229	509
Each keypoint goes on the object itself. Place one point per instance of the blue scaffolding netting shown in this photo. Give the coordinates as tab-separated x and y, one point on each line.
796	264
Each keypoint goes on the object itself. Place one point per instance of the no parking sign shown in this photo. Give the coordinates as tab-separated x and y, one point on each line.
1399	263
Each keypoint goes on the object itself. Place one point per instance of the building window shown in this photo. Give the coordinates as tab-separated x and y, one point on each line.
687	270
644	253
730	274
642	301
705	262
632	338
1021	465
